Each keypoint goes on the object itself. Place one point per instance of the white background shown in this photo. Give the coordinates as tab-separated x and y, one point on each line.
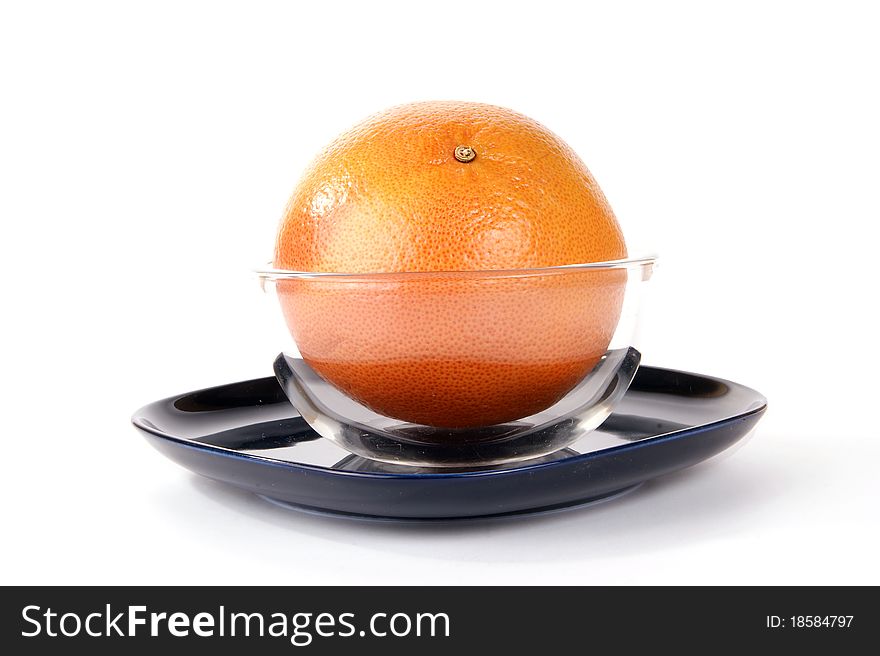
146	153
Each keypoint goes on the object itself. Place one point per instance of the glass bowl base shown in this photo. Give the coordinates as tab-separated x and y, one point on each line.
361	431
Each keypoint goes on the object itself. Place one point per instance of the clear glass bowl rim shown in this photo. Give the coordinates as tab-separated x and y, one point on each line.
644	263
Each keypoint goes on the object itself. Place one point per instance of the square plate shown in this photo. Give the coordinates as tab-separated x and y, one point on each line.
247	434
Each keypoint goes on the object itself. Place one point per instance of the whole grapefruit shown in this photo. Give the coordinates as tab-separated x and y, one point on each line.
441	200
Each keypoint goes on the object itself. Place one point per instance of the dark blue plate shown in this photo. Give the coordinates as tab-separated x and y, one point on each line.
247	434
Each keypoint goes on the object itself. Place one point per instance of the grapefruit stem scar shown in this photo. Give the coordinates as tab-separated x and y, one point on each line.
465	154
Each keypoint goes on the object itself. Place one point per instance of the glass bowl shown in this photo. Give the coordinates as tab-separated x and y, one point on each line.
459	369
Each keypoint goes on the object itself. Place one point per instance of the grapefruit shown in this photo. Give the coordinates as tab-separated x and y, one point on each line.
442	200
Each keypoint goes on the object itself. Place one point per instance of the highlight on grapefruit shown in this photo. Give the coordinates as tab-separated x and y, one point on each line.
446	214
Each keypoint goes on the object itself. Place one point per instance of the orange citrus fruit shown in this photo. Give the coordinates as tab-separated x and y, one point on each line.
455	191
